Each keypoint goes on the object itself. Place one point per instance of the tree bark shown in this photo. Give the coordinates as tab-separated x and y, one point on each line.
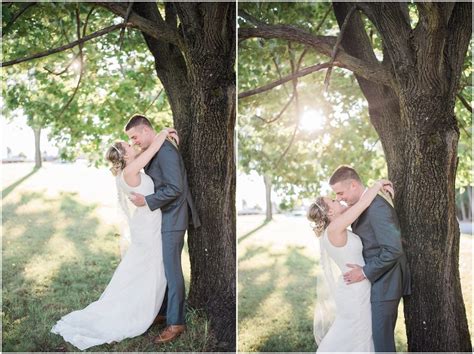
268	198
38	157
199	80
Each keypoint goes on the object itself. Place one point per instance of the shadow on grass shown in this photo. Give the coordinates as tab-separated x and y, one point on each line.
6	191
253	292
290	276
251	252
72	273
250	233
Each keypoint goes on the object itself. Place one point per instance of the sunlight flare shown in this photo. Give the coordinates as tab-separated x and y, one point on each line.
312	120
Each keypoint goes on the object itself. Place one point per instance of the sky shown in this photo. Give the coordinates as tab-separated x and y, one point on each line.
251	189
19	138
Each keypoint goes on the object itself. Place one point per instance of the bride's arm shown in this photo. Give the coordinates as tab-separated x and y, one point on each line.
134	167
351	214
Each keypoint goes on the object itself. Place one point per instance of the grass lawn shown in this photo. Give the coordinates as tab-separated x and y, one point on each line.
277	265
60	247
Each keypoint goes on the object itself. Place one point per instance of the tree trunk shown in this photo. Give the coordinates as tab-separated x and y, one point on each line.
212	171
268	197
38	157
200	84
469	208
435	313
462	206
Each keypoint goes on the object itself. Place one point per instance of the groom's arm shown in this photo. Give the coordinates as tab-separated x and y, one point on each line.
168	162
384	223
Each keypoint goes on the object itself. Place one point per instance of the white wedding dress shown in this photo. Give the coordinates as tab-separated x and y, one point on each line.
132	299
351	328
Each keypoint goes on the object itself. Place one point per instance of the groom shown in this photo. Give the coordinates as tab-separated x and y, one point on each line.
173	197
385	262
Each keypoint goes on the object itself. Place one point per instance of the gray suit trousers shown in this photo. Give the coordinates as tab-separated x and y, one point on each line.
173	303
384	318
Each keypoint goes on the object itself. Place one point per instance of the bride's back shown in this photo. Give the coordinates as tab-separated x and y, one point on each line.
351	252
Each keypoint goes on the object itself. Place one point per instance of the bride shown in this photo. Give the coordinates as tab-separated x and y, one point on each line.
342	319
132	299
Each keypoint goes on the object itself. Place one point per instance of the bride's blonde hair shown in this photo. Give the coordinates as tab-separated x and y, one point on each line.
116	155
318	215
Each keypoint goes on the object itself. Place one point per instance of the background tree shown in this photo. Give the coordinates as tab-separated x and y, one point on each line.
192	47
407	60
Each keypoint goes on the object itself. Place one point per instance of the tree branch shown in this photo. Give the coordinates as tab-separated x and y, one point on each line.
434	15
152	102
297	106
464	102
66	106
65	69
80	52
65	47
81	56
279	71
457	42
371	71
171	16
302	72
86	22
390	21
249	18
126	18
288	147
278	116
158	29
305	51
25	7
336	46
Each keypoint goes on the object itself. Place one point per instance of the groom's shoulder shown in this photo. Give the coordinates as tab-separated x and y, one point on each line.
378	204
167	150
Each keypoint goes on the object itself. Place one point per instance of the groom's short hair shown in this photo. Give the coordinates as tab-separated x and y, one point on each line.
344	173
136	120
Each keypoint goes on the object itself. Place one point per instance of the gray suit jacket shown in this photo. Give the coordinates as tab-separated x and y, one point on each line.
386	264
172	193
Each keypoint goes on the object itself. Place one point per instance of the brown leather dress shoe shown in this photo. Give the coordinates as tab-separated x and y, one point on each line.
169	333
160	319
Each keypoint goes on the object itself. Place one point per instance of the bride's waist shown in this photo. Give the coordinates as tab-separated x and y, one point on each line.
362	287
344	268
146	210
146	213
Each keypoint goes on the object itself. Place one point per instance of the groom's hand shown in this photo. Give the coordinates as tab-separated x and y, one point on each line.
355	275
137	199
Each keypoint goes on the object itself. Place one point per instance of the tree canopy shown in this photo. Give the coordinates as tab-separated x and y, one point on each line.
272	122
84	95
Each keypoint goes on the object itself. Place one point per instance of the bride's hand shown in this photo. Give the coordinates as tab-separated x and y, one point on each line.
172	133
387	187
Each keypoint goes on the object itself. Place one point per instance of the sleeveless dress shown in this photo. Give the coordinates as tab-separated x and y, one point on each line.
133	297
351	330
